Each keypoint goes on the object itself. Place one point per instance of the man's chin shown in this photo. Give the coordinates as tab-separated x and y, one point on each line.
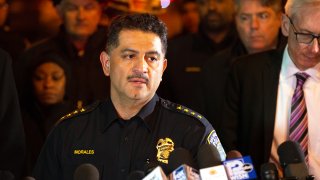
140	96
81	34
215	27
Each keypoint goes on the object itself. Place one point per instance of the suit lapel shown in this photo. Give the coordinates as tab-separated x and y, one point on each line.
270	83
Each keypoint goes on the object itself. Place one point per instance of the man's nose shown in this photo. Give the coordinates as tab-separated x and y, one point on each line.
140	65
80	13
254	23
315	45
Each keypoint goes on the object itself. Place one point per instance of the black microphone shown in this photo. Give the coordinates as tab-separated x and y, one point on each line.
292	160
269	171
6	175
208	156
182	165
28	178
136	175
86	172
149	166
210	163
178	157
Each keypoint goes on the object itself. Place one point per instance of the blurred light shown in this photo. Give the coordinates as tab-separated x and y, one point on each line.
165	3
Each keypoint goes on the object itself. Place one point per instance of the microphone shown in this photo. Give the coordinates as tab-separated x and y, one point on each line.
135	175
28	178
209	162
156	174
149	166
292	160
269	171
234	154
181	161
240	168
7	175
86	172
178	157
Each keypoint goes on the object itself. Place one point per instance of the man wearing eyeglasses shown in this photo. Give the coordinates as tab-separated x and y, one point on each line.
274	96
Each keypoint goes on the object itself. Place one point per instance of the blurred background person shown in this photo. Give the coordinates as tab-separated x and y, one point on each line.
79	42
170	15
47	102
190	16
9	40
35	20
258	24
12	139
186	54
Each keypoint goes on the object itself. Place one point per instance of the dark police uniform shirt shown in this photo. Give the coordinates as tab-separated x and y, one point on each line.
117	147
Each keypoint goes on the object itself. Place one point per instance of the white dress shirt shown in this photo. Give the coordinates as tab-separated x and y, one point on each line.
311	89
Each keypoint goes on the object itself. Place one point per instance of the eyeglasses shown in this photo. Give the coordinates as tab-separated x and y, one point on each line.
304	38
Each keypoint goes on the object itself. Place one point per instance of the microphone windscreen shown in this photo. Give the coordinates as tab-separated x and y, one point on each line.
290	153
234	154
269	171
136	175
178	157
86	172
208	156
28	178
292	160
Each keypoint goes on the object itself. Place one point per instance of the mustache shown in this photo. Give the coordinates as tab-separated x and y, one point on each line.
138	75
213	13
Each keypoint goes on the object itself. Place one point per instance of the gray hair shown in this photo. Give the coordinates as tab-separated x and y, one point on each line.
292	6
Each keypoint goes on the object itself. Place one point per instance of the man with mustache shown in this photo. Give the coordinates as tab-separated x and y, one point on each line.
189	52
80	42
133	130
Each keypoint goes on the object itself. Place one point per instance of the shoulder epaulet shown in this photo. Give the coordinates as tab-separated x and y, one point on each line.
181	109
79	111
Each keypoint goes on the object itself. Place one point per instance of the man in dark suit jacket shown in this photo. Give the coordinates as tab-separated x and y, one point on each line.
12	142
260	89
248	120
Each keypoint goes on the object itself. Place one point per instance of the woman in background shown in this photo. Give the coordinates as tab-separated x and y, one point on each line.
46	103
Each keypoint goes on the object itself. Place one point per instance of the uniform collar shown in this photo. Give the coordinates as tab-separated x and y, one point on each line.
111	114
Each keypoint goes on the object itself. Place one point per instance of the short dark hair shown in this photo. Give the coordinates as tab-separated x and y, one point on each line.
276	5
142	22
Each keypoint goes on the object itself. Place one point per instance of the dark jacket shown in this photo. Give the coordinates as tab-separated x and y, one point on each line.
38	121
12	141
215	74
250	107
88	81
186	56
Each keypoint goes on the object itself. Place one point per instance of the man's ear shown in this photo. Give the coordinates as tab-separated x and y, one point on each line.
285	25
105	63
165	62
